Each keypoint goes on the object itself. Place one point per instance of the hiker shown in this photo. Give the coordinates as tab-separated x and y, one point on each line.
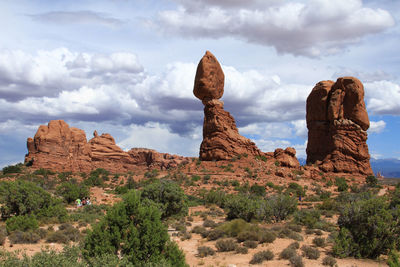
84	201
88	201
78	203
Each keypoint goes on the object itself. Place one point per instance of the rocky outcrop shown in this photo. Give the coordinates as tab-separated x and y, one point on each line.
287	157
62	148
337	123
221	138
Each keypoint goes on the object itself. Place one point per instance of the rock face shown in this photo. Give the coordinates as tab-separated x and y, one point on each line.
62	148
221	138
337	121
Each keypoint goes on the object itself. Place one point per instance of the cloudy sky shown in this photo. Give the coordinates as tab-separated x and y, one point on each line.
126	67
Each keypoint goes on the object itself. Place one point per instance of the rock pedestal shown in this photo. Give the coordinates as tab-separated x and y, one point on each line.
221	138
337	123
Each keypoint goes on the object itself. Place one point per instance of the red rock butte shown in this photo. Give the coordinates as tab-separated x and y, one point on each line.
337	123
62	148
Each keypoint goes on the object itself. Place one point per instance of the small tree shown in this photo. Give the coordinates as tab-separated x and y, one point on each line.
70	191
371	181
170	197
134	229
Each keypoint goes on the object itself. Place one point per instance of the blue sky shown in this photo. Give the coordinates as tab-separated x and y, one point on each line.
127	68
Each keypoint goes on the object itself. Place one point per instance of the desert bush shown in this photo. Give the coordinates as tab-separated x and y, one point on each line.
319	242
310	252
205	251
371	181
296	189
71	191
248	235
151	174
227	244
133	229
341	184
393	259
19	237
243	207
186	236
261	256
257	190
215	234
41	232
22	223
200	230
368	228
209	223
3	235
170	197
329	261
295	227
294	245
235	227
307	218
250	244
282	206
287	253
57	237
296	261
266	237
241	250
17	168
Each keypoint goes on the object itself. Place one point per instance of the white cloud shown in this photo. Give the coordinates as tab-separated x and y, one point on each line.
376	126
300	127
312	28
383	97
77	17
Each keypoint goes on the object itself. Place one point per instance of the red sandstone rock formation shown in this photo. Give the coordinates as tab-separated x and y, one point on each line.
221	138
337	121
61	148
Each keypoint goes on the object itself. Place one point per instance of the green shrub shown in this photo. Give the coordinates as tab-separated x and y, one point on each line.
205	251
261	256
151	174
215	234
227	244
257	190
341	184
319	242
393	259
133	229
241	250
209	223
310	252
371	181
22	223
3	235
71	191
57	237
368	228
295	227
329	261
235	227
243	207
266	237
169	196
250	244
248	235
19	237
297	189
41	232
294	245
200	230
296	261
282	206
13	168
308	218
217	197
287	253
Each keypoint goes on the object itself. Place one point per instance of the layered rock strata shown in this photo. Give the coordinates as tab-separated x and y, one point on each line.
221	138
337	123
62	148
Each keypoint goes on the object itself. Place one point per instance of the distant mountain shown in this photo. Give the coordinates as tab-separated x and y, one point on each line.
389	168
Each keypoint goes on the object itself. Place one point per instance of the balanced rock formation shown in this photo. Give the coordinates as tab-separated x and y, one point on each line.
62	148
337	123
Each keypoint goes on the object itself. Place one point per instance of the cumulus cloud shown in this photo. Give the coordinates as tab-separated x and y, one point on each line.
376	126
383	97
77	17
312	28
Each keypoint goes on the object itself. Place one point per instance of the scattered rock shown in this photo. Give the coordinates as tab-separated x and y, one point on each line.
337	123
287	157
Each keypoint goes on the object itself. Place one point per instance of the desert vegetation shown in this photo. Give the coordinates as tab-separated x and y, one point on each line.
149	217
